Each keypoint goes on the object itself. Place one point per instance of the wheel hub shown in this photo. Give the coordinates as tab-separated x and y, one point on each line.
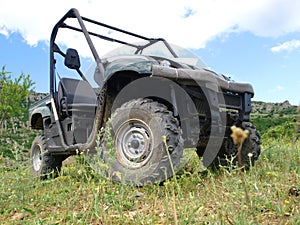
37	158
133	143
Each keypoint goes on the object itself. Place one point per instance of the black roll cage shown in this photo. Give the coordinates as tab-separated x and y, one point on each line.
73	13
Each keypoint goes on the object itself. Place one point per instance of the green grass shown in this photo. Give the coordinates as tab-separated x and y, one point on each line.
196	196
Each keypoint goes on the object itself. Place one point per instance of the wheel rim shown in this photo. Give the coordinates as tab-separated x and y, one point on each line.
134	143
37	158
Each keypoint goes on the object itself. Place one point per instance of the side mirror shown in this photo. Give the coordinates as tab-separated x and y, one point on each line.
72	60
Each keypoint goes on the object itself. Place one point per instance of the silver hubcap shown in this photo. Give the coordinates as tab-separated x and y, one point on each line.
134	143
37	158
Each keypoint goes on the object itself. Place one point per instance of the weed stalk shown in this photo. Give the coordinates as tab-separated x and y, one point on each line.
239	136
175	179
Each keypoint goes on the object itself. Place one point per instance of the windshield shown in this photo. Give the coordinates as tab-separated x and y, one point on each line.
159	49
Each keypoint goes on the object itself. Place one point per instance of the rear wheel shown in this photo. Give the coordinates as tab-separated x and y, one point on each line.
44	165
251	149
146	143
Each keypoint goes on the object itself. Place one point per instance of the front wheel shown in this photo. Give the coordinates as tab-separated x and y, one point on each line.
146	143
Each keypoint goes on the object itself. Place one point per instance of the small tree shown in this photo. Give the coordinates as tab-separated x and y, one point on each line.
13	95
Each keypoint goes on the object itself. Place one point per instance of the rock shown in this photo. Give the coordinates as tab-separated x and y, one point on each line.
266	107
286	104
18	216
294	191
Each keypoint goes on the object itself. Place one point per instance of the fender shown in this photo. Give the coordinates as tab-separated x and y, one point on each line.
211	80
139	64
37	115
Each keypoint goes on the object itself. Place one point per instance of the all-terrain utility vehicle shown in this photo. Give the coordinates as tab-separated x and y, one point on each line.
136	108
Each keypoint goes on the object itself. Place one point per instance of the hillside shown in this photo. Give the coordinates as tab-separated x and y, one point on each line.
273	108
34	96
268	116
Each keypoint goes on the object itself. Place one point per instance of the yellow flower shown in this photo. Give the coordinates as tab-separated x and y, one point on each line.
117	174
103	166
286	201
164	137
271	173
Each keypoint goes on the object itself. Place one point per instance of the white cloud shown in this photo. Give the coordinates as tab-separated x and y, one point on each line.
276	89
271	18
189	23
286	46
4	31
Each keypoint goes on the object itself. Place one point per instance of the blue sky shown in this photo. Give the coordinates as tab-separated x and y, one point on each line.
253	41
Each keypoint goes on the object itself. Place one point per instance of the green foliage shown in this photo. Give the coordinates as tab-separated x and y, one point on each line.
282	132
289	111
264	123
196	196
15	146
279	126
266	116
13	95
